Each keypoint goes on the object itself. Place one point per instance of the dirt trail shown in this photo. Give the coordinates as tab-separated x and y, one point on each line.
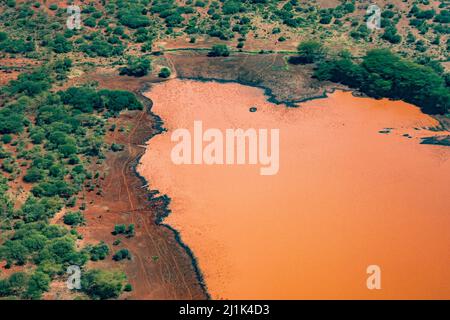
160	268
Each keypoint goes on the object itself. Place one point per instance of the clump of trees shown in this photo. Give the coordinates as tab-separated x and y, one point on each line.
60	133
122	254
98	252
310	51
123	229
25	286
16	45
74	218
384	74
88	99
136	66
219	50
103	284
102	48
133	18
12	119
31	83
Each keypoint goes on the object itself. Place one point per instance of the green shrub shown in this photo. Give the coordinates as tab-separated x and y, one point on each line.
219	50
136	66
6	138
310	51
121	255
38	284
128	288
98	252
11	121
117	147
133	19
103	284
60	44
164	72
74	218
33	175
119	229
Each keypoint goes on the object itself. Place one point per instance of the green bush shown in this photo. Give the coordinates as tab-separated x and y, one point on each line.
15	285
122	229
17	46
310	51
60	44
33	175
231	7
128	287
54	187
219	50
117	147
11	120
133	19
38	284
74	218
98	252
117	100
6	138
119	229
164	72
136	66
103	284
121	255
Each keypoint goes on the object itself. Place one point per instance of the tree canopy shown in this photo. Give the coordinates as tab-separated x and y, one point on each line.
384	74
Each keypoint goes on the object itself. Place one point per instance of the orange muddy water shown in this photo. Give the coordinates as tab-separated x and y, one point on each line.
346	196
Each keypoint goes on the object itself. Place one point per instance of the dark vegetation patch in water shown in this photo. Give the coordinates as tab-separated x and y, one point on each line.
439	140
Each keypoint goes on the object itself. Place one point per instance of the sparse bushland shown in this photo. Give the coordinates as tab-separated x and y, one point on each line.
110	28
61	133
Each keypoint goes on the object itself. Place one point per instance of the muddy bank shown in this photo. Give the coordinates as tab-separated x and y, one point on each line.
282	82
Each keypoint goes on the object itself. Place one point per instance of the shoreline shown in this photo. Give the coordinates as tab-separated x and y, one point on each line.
160	216
166	199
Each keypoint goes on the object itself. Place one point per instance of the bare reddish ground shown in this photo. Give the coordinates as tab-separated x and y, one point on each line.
347	196
160	268
10	68
7	76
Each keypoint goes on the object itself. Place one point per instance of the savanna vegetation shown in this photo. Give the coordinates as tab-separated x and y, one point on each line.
58	134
